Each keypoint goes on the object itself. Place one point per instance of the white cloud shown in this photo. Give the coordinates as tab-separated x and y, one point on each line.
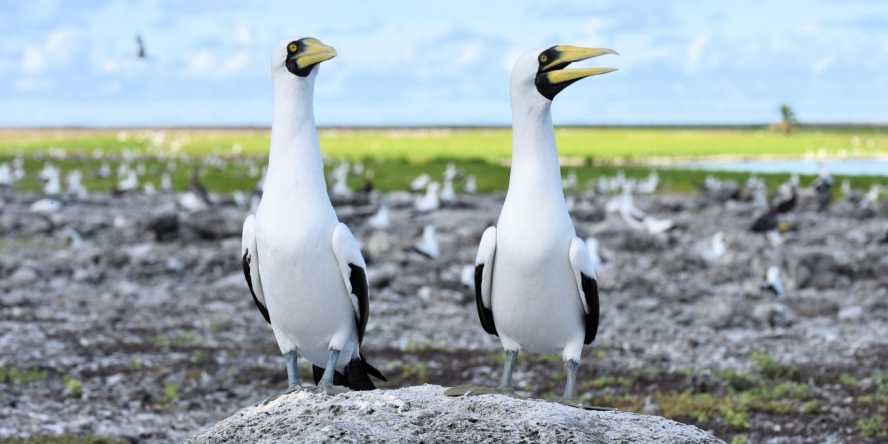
695	51
63	44
810	29
823	64
594	37
33	60
234	64
32	84
243	35
200	64
471	53
211	64
109	65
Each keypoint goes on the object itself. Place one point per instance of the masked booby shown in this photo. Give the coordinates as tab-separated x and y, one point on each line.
535	281
773	283
304	268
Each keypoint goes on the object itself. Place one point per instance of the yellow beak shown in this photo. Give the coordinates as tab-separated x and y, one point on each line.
314	52
569	54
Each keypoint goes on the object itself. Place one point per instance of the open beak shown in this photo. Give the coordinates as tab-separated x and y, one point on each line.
565	55
313	52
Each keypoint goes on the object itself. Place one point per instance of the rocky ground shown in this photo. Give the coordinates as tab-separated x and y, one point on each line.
146	331
423	414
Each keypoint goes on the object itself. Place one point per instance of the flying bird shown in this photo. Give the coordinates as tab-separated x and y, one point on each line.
304	268
535	282
141	47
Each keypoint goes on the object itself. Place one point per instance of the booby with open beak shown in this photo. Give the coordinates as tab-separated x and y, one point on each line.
535	282
303	266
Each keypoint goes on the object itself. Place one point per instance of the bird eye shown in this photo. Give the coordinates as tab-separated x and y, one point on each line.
543	58
293	47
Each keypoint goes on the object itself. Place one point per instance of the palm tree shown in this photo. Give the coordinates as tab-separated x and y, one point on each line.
788	120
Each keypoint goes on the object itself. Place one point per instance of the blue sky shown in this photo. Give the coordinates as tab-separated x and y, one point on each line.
445	63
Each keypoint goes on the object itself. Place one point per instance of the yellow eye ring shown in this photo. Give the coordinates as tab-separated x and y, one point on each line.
544	59
293	47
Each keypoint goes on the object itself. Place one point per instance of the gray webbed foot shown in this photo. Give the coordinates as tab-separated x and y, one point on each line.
327	389
474	390
574	402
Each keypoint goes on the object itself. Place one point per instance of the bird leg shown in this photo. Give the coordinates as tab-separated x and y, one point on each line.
505	387
570	390
292	377
325	385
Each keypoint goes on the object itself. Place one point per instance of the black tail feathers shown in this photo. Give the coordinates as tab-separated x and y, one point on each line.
356	377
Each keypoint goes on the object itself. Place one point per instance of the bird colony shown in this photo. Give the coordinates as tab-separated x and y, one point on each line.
149	314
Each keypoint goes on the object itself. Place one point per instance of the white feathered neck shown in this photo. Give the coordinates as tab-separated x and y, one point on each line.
294	162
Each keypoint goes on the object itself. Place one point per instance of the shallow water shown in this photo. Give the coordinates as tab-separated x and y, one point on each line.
856	167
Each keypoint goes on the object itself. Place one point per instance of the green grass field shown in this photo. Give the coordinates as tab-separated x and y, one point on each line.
398	156
492	145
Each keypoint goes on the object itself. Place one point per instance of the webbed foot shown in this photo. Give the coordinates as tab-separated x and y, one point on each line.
574	402
327	389
271	398
474	390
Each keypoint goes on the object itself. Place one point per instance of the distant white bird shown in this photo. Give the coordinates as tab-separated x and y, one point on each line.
595	252
6	177
450	173
657	226
52	187
570	181
191	202
467	276
447	193
104	171
166	184
149	189
846	187
871	198
470	187
428	244
421	182
358	169
140	169
47	206
48	172
74	238
123	171
649	185
240	200
253	169
380	220
75	185
772	282
129	183
340	178
430	201
717	247
639	220
774	238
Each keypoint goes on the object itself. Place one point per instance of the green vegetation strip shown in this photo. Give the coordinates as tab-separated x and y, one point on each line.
491	145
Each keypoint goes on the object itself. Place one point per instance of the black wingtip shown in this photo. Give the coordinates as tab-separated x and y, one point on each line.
590	291
262	309
484	314
372	371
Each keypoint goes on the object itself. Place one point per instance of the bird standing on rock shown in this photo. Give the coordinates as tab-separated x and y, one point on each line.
303	266
535	282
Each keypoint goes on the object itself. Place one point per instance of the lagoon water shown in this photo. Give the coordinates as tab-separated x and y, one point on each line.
855	167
